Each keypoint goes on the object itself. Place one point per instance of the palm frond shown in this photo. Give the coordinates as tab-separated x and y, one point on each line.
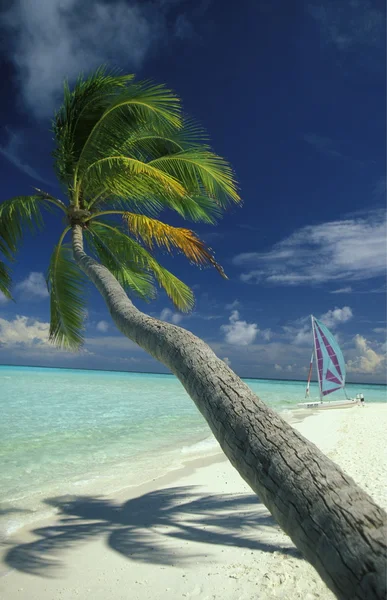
143	102
16	214
81	110
195	208
124	176
111	253
67	305
200	170
146	142
131	252
180	294
5	281
153	232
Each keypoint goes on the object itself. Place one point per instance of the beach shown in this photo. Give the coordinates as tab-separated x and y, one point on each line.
195	532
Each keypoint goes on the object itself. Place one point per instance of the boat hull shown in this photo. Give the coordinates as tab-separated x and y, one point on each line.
329	405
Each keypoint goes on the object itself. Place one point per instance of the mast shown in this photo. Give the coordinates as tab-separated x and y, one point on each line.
315	353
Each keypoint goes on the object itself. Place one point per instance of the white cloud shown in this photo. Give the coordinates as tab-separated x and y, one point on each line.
350	24
239	333
367	360
343	290
51	40
267	334
23	331
338	315
233	305
226	360
12	152
102	326
277	367
34	286
168	315
299	332
303	336
346	250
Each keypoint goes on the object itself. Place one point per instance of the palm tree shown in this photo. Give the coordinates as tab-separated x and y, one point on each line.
123	153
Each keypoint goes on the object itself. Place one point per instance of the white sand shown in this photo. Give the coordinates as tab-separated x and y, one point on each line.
196	533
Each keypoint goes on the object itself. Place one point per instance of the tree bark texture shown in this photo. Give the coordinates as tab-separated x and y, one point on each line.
338	528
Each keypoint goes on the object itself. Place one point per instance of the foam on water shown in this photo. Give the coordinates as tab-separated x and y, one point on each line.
94	432
207	446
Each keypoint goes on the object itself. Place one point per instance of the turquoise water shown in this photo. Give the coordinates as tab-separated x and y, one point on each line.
74	432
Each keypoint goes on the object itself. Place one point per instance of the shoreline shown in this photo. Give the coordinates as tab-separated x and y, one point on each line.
196	531
200	451
175	458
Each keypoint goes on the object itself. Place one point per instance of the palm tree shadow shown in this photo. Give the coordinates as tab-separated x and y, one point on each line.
149	527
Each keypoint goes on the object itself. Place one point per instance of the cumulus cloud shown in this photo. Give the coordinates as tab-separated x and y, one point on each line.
23	331
367	360
238	332
267	334
233	305
226	360
102	326
334	317
346	250
277	367
168	315
299	332
50	40
33	287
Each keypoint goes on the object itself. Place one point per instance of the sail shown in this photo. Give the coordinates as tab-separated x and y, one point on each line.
330	361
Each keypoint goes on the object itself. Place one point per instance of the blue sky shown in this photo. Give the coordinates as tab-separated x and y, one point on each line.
293	95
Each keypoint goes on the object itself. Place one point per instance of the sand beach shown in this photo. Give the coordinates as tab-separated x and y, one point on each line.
196	532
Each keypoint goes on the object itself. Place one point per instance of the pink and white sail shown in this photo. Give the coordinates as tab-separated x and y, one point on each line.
329	359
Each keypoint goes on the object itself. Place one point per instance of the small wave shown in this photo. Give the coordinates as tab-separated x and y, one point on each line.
207	446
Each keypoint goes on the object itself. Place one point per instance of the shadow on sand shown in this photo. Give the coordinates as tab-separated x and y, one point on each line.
148	528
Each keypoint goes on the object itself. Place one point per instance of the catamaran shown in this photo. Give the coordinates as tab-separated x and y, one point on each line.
330	370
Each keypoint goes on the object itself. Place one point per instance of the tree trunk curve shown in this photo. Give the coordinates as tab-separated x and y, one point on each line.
338	528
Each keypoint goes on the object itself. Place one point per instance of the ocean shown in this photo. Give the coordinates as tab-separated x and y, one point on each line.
76	432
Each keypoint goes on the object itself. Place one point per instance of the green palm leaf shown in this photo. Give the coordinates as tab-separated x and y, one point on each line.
196	208
142	102
200	170
121	146
111	253
180	294
124	176
81	110
128	249
67	305
147	142
18	213
5	281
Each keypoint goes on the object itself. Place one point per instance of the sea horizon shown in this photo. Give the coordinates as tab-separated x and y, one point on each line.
243	377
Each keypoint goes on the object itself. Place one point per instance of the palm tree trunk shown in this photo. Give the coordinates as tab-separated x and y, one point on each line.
337	526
